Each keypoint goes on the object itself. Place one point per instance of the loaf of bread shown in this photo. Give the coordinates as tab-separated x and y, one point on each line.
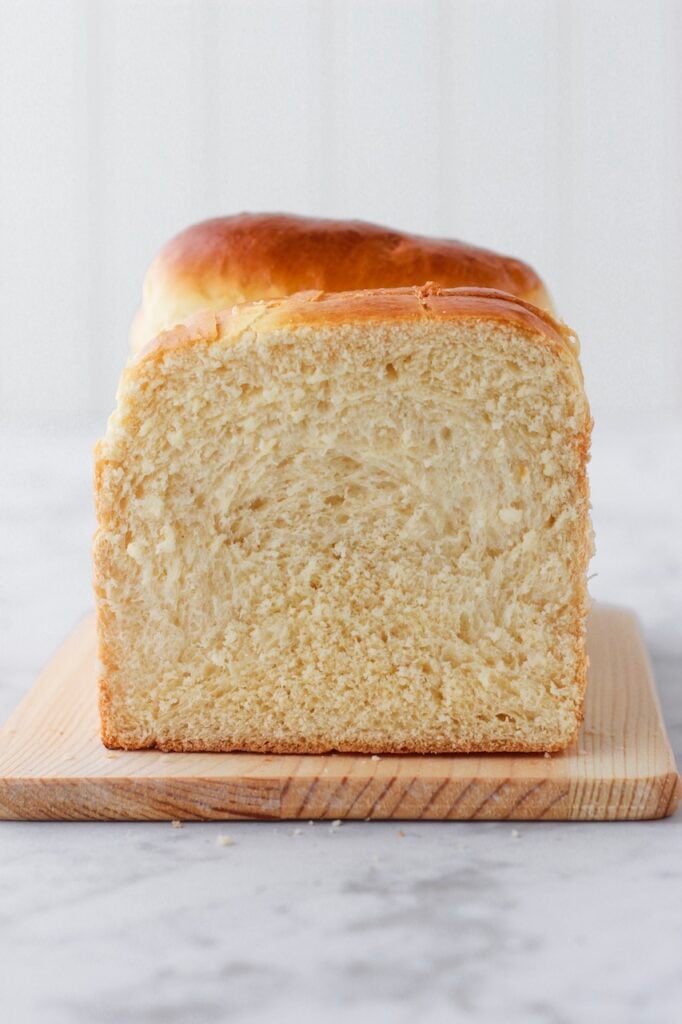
266	256
353	521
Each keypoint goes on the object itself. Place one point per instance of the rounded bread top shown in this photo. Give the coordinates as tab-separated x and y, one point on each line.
228	260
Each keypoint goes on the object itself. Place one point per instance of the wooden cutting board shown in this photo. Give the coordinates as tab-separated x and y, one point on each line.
53	766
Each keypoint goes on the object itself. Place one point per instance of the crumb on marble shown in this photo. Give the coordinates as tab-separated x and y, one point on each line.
225	841
515	833
375	757
176	823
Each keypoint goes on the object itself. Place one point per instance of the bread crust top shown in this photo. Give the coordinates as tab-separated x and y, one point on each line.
388	305
229	260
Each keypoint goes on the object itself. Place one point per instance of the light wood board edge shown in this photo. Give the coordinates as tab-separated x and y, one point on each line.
382	794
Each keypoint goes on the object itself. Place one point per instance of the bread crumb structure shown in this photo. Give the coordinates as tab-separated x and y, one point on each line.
353	522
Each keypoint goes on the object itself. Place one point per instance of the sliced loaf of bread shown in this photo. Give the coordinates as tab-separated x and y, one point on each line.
354	521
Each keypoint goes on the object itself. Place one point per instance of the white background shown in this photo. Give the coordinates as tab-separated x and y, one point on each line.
549	130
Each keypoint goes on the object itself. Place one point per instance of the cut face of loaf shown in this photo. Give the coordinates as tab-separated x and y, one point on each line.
354	522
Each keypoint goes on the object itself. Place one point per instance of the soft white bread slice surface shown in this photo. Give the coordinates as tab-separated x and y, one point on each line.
355	521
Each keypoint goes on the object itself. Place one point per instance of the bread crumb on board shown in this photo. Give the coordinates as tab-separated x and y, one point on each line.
225	841
176	824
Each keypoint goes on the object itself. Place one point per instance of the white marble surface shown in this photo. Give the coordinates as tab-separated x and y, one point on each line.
473	922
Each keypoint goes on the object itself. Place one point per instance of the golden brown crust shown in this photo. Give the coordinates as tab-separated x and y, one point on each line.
266	745
390	305
230	260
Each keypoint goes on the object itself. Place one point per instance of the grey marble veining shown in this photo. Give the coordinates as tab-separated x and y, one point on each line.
538	923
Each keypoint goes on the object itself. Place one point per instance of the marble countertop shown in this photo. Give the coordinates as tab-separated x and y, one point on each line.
538	923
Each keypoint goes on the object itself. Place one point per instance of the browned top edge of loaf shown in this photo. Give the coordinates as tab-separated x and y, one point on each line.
259	252
250	256
385	305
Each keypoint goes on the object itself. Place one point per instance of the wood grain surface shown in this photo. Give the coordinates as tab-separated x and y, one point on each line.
53	766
